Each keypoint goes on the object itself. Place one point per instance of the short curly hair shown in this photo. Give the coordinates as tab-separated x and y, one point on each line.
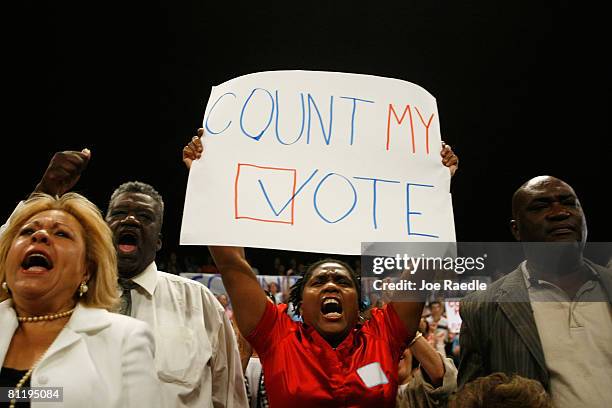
142	188
297	289
500	390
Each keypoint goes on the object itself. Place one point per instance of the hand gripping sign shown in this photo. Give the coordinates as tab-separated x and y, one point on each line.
320	162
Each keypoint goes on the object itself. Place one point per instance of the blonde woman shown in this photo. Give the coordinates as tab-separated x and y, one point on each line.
58	278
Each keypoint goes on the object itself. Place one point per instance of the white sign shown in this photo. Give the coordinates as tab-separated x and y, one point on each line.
319	162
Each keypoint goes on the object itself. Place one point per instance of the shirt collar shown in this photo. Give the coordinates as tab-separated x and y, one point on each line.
526	275
147	279
347	344
529	281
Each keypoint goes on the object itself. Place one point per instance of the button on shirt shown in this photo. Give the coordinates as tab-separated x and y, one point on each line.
196	355
303	370
576	335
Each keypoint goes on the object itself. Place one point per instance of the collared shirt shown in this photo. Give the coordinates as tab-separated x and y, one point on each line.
196	356
576	335
303	370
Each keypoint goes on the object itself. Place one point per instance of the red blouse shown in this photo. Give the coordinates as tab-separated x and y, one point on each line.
302	370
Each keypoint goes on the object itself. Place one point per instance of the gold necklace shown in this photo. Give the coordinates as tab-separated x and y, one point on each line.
44	318
23	380
28	374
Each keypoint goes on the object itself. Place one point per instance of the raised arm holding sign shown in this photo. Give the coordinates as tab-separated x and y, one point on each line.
328	299
238	278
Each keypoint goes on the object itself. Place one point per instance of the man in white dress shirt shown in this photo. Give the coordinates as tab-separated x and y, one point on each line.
196	356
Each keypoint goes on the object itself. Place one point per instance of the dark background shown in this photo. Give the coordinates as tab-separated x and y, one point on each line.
523	89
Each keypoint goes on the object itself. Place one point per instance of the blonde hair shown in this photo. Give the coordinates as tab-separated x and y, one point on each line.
100	254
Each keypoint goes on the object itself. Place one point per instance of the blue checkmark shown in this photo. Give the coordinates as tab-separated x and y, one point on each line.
277	213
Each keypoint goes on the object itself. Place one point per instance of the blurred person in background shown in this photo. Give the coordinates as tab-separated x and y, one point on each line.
439	326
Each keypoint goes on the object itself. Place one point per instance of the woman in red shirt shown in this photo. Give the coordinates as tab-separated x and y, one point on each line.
331	359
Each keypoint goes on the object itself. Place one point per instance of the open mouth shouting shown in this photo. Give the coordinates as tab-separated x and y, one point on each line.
127	243
36	261
331	308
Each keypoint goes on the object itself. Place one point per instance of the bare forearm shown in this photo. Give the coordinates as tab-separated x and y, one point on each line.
430	360
247	297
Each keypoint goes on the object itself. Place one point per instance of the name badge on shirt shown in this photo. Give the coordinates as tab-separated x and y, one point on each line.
372	375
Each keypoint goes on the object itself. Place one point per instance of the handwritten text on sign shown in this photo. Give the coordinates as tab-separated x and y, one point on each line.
318	161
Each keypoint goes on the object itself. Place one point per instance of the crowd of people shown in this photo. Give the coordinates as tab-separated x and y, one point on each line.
189	260
84	306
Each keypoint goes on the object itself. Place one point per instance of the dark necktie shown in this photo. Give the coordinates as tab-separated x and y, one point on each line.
126	286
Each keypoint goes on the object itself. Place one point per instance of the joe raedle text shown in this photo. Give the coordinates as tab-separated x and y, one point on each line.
446	284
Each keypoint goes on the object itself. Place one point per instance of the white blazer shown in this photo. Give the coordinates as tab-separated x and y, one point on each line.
101	359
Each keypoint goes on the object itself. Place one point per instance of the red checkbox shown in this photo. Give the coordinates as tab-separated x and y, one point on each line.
246	173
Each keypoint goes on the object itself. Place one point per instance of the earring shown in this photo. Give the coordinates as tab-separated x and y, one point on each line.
5	287
83	289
